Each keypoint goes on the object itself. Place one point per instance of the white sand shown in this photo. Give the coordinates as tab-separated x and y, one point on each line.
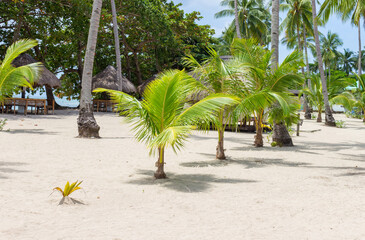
315	190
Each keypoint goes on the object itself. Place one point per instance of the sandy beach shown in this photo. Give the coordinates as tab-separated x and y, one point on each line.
315	190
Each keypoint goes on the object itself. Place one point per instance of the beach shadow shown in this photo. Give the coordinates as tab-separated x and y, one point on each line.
229	139
245	162
31	131
188	183
296	148
353	157
116	138
8	167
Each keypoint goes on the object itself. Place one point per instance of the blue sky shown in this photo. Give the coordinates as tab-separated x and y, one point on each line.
208	8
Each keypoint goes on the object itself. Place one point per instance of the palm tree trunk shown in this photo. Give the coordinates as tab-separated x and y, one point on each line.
117	47
236	19
281	135
220	147
307	113
359	62
319	118
258	137
282	132
160	164
330	121
275	32
86	122
300	49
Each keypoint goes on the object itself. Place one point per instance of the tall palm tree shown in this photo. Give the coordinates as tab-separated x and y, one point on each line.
297	21
329	45
253	17
347	61
275	32
215	73
117	46
237	23
87	126
161	118
280	130
260	88
12	77
330	120
354	9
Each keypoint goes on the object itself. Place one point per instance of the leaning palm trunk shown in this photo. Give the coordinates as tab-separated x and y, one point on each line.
86	122
330	121
236	19
117	47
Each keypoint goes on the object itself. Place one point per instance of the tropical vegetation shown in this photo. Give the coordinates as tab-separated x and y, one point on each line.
162	118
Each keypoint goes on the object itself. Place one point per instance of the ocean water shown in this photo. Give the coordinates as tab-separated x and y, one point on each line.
61	101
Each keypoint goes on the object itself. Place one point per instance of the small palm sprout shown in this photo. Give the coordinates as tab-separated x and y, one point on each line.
67	191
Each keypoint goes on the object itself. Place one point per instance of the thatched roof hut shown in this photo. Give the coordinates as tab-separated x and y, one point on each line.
108	79
143	86
46	78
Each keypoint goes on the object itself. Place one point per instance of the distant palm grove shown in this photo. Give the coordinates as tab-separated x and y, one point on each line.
231	79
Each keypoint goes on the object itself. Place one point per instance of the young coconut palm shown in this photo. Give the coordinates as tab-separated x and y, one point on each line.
260	86
12	77
160	119
214	73
356	98
314	94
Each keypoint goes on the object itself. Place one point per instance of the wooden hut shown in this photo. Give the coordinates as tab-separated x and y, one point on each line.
47	78
108	79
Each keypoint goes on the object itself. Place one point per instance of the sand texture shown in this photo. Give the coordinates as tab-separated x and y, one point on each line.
315	190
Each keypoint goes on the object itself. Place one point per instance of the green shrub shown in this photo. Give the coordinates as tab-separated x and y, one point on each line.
2	123
340	123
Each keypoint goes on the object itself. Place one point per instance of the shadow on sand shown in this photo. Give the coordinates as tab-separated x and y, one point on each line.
185	182
30	131
8	167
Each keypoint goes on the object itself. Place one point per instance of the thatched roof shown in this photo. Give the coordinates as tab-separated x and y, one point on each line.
46	78
108	79
143	86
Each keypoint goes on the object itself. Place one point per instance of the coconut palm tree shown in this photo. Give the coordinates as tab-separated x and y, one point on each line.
280	130
87	126
275	32
257	86
161	119
117	46
329	45
236	20
215	73
253	17
354	99
315	95
347	61
330	120
354	9
297	22
12	77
